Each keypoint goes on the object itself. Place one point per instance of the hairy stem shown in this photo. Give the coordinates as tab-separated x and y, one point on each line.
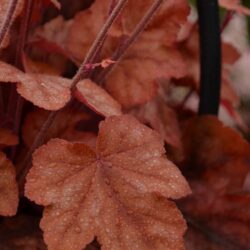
121	51
210	56
112	6
4	29
20	48
8	20
24	166
6	25
98	42
1	103
95	57
28	6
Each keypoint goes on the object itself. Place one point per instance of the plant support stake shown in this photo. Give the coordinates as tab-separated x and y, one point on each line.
210	56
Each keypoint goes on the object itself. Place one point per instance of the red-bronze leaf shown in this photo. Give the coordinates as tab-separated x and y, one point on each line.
97	99
116	193
8	187
45	91
7	138
162	118
63	127
219	160
217	152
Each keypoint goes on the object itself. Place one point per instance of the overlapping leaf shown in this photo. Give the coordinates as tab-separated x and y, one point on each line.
96	98
152	57
53	36
40	67
89	22
64	127
134	81
200	237
210	151
225	218
7	138
116	189
161	118
46	91
217	163
167	22
108	192
190	50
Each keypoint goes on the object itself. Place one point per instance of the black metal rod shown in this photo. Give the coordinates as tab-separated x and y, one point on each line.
210	56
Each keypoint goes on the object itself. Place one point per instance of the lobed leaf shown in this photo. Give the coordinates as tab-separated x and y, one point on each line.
116	193
135	79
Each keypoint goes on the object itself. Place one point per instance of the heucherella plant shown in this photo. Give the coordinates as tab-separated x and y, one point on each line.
97	140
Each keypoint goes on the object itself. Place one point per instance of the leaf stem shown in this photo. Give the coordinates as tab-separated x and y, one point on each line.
3	31
28	6
24	166
1	104
20	48
112	6
186	98
97	43
210	56
8	20
95	57
121	50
